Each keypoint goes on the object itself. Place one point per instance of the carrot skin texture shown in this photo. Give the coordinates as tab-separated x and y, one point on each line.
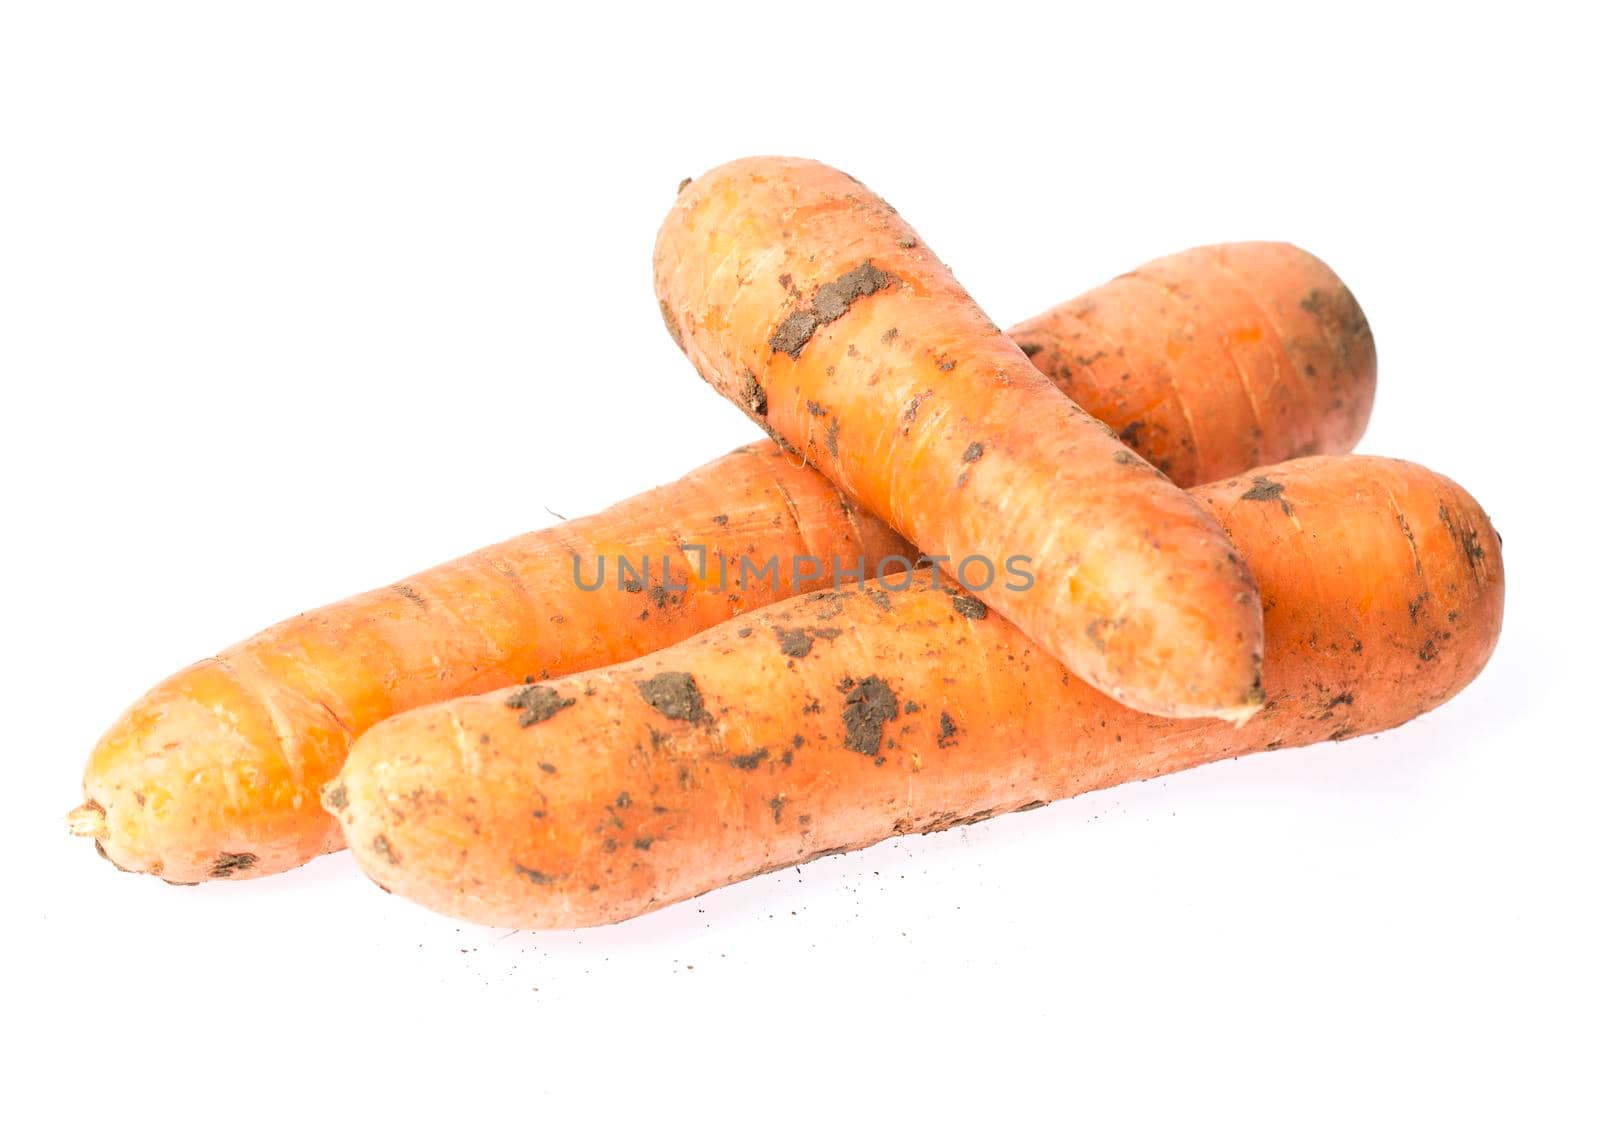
213	774
1206	360
736	753
809	302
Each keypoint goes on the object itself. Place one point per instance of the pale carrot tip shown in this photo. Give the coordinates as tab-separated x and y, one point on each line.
1238	716
1247	710
88	820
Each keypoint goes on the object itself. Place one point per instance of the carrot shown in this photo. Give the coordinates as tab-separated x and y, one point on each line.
213	774
831	721
806	299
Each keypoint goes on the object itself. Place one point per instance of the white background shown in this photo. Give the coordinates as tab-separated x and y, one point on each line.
298	298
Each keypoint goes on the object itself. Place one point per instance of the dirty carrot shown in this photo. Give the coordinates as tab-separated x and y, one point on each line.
834	720
213	774
803	297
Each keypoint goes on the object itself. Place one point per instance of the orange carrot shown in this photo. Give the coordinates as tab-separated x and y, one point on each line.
806	299
831	721
213	774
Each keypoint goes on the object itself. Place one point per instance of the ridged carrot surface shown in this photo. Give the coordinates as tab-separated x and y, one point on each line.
835	720
1206	361
808	301
213	774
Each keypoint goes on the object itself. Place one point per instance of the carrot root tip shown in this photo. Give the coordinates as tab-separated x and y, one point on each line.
1238	716
88	820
